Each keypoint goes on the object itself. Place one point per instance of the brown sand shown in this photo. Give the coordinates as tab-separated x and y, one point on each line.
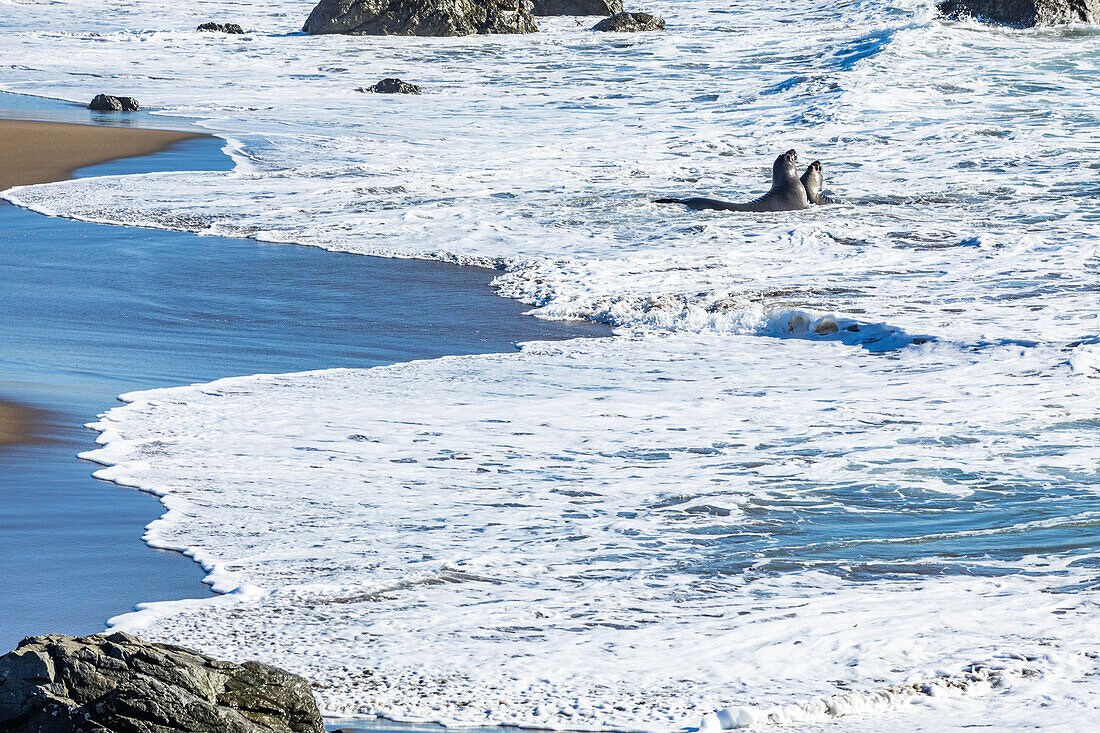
41	152
16	424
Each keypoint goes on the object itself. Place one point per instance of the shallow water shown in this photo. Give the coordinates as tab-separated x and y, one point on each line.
831	452
90	311
44	109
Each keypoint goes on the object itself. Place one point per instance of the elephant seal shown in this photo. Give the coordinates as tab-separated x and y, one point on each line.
812	182
787	192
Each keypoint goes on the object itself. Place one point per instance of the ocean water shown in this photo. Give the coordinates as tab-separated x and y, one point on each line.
91	310
75	304
837	468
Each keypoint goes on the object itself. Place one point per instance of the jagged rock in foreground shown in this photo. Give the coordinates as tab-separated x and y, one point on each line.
576	7
391	86
107	103
121	684
630	23
1023	13
419	17
231	28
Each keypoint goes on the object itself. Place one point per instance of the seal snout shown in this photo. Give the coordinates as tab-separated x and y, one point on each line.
791	155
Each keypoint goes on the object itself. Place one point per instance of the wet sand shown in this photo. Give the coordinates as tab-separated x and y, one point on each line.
41	152
15	424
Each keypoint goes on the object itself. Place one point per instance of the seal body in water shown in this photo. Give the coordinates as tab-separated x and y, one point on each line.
787	192
812	182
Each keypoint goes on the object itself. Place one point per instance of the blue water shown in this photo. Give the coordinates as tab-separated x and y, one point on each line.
92	311
44	109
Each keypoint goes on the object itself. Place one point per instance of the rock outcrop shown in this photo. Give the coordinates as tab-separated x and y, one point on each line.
121	684
630	23
107	103
1023	13
391	86
231	28
576	7
419	17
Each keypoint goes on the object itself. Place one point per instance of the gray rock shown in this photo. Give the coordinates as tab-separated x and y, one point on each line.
1023	13
231	28
121	684
107	103
419	17
576	7
391	86
630	23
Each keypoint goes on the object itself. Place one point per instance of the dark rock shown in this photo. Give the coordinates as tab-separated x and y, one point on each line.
576	7
419	17
391	86
630	23
1023	13
121	684
107	103
231	28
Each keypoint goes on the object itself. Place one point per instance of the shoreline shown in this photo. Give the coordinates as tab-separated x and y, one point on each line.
98	310
439	279
33	152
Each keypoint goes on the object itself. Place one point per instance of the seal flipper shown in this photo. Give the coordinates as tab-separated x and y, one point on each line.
699	204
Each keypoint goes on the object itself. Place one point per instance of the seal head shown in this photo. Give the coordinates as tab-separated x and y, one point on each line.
813	182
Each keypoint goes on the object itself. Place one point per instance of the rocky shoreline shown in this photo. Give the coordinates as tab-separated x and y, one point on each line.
117	682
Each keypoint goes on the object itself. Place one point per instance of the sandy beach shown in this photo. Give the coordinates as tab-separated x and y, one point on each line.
41	152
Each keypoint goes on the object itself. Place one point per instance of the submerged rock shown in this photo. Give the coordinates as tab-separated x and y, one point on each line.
231	28
576	7
1023	13
419	17
119	683
391	86
630	23
108	103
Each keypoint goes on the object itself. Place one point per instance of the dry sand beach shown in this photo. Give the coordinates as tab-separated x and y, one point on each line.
40	152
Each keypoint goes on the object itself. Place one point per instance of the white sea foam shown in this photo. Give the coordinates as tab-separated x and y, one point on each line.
834	452
538	539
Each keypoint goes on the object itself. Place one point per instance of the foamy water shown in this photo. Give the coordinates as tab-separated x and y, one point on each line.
838	463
